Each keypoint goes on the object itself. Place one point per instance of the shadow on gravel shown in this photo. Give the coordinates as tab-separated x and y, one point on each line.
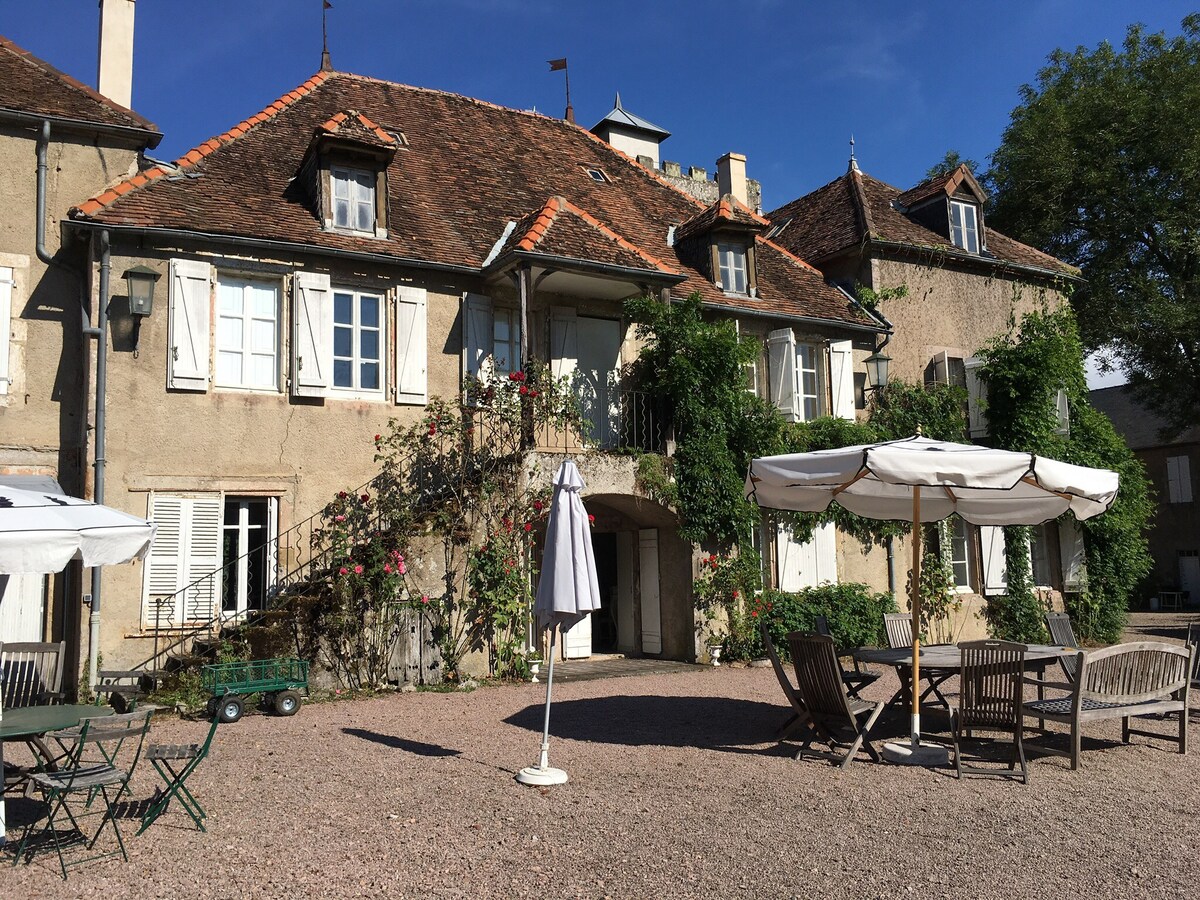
399	743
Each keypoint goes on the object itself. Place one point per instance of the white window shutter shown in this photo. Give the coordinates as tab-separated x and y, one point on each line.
412	349
1070	548
1062	411
781	358
312	335
939	369
651	600
477	335
976	399
564	342
162	574
995	577
841	379
189	325
808	564
202	569
6	289
186	554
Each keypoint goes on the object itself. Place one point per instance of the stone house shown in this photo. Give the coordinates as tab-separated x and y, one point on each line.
963	281
1173	467
60	141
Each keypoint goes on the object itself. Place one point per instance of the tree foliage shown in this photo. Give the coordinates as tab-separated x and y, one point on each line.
1100	166
950	162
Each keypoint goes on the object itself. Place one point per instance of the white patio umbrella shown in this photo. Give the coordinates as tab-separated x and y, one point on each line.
41	532
568	590
922	480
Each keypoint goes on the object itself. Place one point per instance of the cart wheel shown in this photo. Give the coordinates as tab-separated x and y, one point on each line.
213	705
231	708
286	703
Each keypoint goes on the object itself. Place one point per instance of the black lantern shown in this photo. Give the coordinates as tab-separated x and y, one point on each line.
877	370
140	281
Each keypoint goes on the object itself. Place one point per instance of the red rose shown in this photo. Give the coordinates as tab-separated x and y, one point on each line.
591	518
365	498
754	613
378	438
528	527
524	390
533	393
537	504
432	429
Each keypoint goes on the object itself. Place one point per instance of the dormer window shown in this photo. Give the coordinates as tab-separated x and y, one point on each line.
964	226
732	264
353	193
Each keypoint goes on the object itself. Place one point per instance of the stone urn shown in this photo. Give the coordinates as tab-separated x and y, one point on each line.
714	654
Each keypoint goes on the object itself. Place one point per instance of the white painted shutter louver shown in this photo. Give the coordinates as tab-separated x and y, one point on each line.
650	598
808	564
477	337
203	562
976	399
189	325
6	286
995	578
564	342
781	359
841	379
312	335
1074	560
186	549
411	346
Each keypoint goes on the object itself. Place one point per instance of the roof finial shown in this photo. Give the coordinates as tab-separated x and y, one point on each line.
617	102
326	63
853	162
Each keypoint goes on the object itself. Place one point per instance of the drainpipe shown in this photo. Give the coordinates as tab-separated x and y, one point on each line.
98	493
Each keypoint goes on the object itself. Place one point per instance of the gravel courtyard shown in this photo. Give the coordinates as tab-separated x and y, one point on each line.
677	790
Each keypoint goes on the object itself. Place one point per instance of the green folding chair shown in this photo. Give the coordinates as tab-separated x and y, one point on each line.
81	779
175	762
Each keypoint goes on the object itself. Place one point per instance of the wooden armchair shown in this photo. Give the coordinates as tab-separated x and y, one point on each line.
990	691
32	674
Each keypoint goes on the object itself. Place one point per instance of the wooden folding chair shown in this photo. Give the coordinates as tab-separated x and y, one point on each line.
899	630
990	695
175	762
856	679
1062	634
33	673
799	714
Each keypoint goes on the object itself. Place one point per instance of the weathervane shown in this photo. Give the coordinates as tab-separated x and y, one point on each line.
853	161
557	65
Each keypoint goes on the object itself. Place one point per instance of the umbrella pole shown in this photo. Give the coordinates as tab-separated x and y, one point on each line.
914	684
542	773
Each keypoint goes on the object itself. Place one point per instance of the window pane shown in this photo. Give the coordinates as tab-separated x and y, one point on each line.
229	368
264	370
262	301
229	333
369	312
343	373
343	309
343	342
369	345
341	213
341	184
370	377
231	299
366	217
262	336
501	328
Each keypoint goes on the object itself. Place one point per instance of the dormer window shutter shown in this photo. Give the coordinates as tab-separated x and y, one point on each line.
977	423
781	360
312	334
189	325
841	379
411	346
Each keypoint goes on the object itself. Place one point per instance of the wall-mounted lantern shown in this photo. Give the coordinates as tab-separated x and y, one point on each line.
140	281
877	370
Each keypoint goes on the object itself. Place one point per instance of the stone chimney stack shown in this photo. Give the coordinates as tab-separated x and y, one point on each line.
115	77
731	177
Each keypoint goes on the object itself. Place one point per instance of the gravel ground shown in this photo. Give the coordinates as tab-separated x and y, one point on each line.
676	790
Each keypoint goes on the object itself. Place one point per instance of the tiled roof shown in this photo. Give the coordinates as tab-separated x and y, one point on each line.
727	210
357	127
29	84
469	168
1138	425
845	212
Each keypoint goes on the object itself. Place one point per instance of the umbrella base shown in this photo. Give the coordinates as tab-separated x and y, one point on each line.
905	754
536	775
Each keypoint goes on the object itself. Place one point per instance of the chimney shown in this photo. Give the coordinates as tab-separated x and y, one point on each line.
731	177
115	77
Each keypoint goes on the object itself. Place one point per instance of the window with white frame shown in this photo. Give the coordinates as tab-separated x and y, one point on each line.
964	226
1179	479
732	262
357	341
506	341
246	554
960	554
1039	556
353	199
809	380
247	334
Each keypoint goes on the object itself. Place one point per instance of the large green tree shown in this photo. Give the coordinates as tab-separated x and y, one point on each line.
1100	166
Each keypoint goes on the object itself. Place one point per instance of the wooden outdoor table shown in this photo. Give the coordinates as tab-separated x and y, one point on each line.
30	724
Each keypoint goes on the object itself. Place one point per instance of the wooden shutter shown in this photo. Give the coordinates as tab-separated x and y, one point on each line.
564	341
976	399
1179	479
312	335
6	290
1062	412
477	335
651	599
411	346
806	564
938	370
781	359
841	379
1071	552
995	578
189	326
202	566
186	553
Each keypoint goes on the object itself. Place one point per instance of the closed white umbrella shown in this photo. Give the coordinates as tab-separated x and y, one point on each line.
41	532
922	480
568	590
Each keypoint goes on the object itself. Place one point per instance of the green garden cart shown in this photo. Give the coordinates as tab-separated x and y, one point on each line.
280	681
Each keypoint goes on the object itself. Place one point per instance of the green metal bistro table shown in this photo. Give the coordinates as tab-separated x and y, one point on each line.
30	723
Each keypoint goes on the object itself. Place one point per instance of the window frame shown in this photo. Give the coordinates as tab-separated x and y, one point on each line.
728	253
507	315
1039	537
971	232
224	280
356	391
961	541
817	397
342	174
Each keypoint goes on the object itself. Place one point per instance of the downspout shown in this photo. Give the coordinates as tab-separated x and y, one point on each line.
98	493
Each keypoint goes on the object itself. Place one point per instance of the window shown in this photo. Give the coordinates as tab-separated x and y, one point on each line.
808	380
6	286
1039	556
596	175
732	261
246	555
353	199
506	337
357	341
247	334
964	228
1179	479
960	554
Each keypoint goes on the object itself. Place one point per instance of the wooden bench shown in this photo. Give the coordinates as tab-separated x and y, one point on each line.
1120	682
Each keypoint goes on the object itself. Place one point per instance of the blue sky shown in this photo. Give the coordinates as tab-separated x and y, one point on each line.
783	81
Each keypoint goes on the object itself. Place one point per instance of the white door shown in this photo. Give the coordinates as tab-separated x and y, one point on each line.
626	637
22	608
577	643
651	601
1189	577
598	350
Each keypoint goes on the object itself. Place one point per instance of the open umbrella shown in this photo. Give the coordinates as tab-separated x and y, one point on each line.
40	532
922	480
567	591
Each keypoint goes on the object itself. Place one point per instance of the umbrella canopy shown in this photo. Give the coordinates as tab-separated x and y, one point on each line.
41	532
918	480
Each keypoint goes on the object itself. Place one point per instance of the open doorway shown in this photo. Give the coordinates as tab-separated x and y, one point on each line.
604	624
